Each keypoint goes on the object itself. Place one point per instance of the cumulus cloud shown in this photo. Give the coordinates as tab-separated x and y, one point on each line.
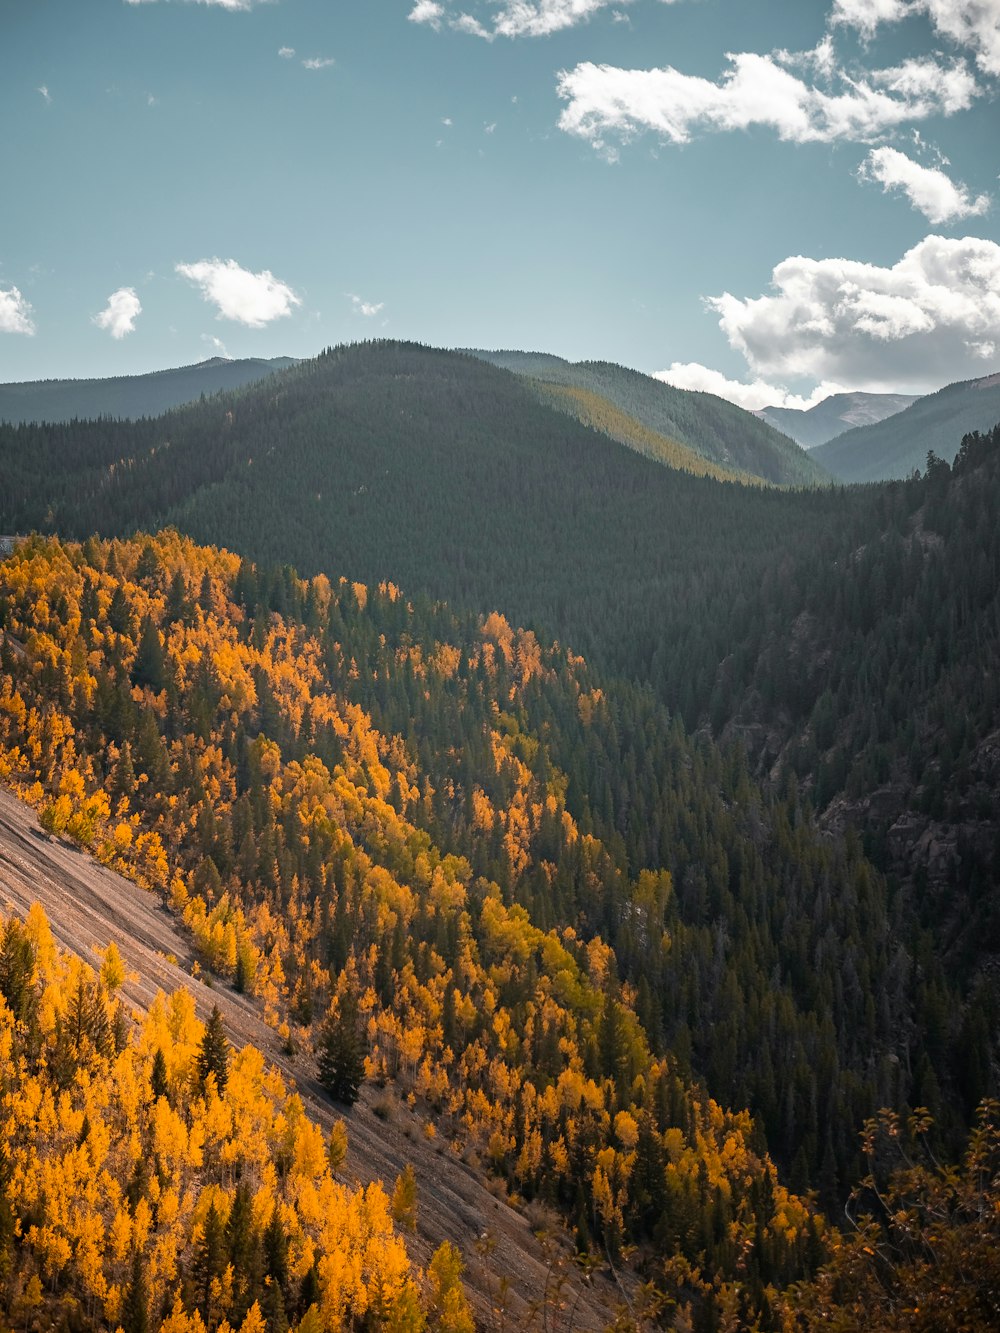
221	4
427	11
286	52
972	24
46	95
933	317
367	308
253	299
119	315
513	18
318	62
928	189
605	102
752	395
15	312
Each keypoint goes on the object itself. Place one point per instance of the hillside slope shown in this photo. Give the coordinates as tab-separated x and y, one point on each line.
128	397
90	907
834	415
899	445
715	429
211	730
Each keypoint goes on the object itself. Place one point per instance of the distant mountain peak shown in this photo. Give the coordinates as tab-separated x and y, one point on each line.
814	426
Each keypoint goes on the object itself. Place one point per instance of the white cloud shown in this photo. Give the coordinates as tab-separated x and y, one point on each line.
286	52
367	308
216	344
318	62
973	24
15	312
46	95
221	4
121	312
931	318
753	396
253	299
931	191
427	11
604	101
514	18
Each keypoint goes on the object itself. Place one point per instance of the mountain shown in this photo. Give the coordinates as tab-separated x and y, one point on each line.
445	474
651	416
767	617
130	396
834	415
899	445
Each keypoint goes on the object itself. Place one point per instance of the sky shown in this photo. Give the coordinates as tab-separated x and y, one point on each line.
768	200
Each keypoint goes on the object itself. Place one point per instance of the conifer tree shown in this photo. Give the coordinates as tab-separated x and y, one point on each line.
135	1307
148	668
158	1081
338	1054
213	1055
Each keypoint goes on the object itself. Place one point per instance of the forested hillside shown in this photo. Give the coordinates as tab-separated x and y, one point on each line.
130	396
422	906
152	1178
773	618
459	861
898	446
446	475
711	427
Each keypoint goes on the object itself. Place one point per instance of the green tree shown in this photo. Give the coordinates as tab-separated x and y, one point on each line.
148	667
339	1055
213	1053
135	1307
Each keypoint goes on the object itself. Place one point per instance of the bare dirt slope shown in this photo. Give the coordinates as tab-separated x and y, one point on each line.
88	906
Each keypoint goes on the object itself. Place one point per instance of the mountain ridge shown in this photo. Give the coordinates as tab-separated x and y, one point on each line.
131	396
829	418
897	446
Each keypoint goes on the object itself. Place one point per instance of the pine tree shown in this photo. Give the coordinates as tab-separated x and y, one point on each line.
135	1307
210	1259
213	1054
158	1081
339	1055
148	667
123	777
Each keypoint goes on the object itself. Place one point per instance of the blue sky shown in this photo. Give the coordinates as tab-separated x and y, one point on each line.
755	197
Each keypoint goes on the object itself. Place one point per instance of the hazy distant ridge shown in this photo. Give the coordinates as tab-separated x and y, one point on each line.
129	397
834	415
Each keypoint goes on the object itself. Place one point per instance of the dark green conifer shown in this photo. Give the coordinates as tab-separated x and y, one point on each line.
148	668
213	1054
135	1307
158	1077
338	1052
